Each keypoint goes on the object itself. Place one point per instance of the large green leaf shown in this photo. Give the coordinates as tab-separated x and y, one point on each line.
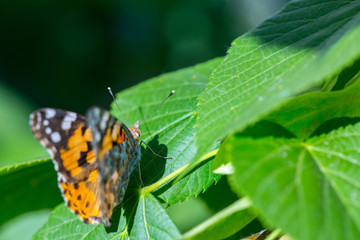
303	114
169	130
300	46
310	190
150	222
27	187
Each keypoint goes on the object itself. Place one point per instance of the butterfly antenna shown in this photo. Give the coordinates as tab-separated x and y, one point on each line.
171	93
109	88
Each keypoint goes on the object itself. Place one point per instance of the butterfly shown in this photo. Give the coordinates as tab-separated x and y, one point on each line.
94	156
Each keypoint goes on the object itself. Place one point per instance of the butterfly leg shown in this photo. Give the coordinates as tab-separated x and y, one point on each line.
153	151
140	175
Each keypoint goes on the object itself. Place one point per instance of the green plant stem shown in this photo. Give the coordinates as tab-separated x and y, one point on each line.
174	174
273	234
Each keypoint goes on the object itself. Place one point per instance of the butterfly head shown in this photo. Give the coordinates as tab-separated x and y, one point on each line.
135	131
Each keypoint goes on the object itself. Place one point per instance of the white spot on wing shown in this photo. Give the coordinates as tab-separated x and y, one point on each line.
97	136
51	153
56	165
70	116
106	117
31	120
54	149
38	114
45	122
65	125
96	111
50	113
48	130
55	137
104	121
61	177
68	119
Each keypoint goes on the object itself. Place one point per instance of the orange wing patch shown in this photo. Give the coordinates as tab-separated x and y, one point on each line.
83	198
117	134
112	137
78	158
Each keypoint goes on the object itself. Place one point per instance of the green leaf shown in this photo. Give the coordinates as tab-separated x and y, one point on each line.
169	130
152	222
15	132
224	223
27	187
302	45
310	190
303	114
29	223
63	224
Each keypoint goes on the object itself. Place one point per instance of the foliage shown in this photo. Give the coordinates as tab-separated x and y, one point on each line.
290	118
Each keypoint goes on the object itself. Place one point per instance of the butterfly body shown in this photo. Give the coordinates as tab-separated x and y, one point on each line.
93	156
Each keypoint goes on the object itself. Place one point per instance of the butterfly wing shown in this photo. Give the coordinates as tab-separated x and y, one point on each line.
83	197
67	138
118	153
93	156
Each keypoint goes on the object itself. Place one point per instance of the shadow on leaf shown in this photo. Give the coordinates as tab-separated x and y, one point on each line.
154	166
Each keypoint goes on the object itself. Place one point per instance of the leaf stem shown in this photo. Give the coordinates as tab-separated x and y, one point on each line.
273	234
174	174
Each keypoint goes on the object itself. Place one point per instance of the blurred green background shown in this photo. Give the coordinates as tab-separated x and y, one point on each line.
64	54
